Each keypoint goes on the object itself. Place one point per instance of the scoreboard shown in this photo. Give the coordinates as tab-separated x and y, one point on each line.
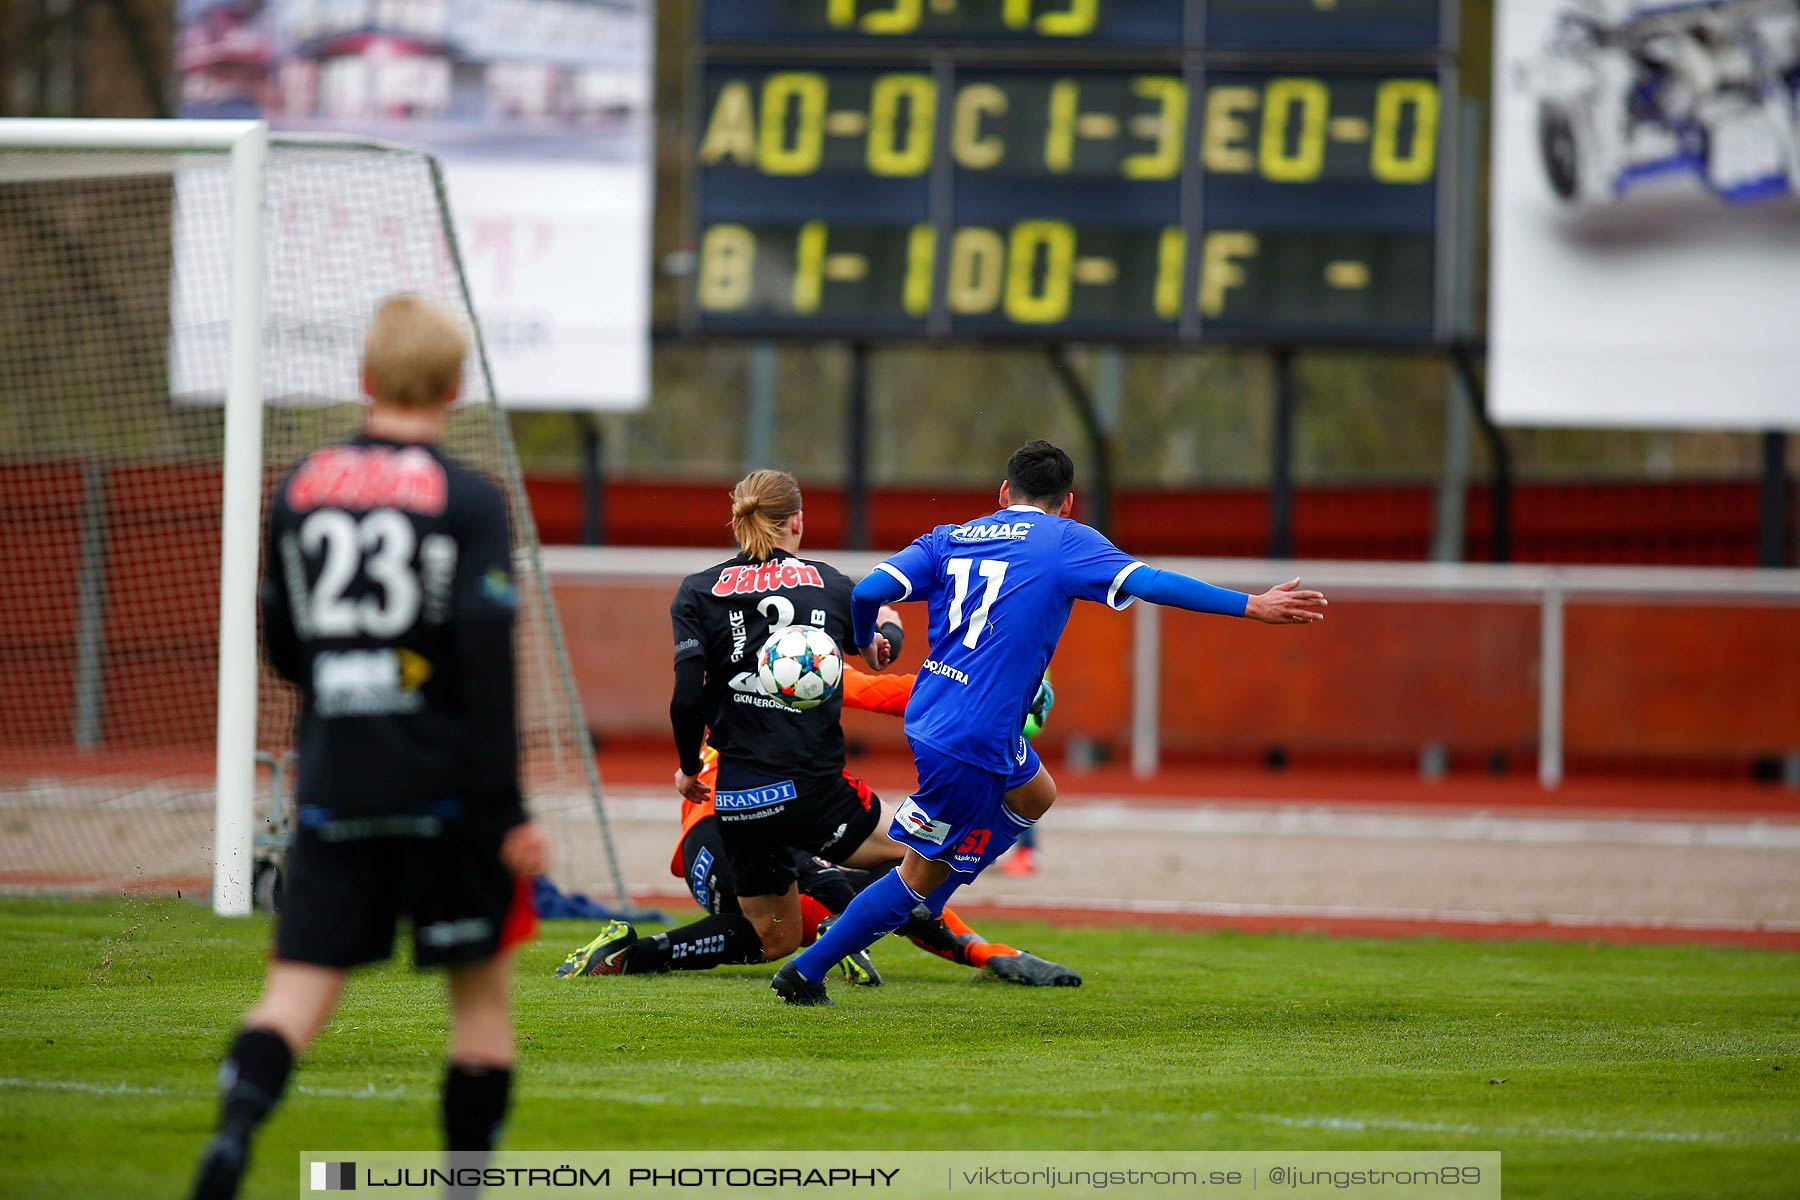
1156	169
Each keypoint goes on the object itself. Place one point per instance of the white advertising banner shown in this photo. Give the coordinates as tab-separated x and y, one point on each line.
539	111
1646	226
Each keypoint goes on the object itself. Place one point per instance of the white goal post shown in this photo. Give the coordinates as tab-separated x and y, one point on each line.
294	298
247	142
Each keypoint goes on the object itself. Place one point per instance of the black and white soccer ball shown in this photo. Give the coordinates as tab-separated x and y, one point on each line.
800	666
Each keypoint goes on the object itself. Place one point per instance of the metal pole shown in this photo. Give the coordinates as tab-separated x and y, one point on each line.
90	617
856	484
235	800
1773	521
1453	485
1463	360
1281	458
1550	689
759	417
1109	388
1146	690
1453	488
593	482
75	31
1098	510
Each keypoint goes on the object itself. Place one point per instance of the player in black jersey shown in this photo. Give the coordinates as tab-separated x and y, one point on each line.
781	782
388	600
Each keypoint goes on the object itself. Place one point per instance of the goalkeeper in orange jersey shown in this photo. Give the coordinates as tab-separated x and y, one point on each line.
725	936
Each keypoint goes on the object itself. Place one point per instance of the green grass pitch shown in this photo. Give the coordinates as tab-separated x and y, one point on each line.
1597	1070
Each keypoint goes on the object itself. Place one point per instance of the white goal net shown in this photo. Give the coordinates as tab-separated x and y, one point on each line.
114	366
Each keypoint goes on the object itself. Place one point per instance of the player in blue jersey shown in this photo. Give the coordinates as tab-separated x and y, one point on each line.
999	591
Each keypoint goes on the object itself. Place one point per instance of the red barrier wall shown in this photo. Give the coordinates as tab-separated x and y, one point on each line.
1374	683
1696	524
1644	683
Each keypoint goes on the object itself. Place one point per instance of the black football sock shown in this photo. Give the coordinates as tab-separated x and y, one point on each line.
719	941
932	935
475	1100
860	880
251	1079
834	889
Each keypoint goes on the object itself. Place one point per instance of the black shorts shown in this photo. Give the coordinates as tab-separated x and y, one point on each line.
763	820
341	901
713	884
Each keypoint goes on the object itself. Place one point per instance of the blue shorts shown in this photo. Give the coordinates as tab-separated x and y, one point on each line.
959	815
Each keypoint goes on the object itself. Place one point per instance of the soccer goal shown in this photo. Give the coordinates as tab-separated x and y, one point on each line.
181	318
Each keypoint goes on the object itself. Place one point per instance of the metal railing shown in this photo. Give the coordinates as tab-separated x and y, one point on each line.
1550	588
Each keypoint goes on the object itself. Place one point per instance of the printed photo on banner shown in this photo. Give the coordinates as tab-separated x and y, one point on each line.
1646	213
539	111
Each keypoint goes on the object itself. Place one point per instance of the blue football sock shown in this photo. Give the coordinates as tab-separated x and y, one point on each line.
879	909
939	898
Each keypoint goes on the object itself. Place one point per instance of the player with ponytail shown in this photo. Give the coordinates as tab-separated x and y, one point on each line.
780	784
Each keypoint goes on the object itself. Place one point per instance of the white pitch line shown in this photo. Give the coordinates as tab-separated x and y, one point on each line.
1356	1124
1350	912
1323	821
367	1092
835	1103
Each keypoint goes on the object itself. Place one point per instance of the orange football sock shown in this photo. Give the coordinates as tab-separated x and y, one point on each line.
811	913
957	925
982	951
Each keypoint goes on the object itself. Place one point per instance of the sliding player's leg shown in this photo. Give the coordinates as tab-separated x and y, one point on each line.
777	920
724	937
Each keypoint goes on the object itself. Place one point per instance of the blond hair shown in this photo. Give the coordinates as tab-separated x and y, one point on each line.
761	503
413	353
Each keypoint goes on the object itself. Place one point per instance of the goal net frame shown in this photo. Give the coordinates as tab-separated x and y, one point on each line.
247	145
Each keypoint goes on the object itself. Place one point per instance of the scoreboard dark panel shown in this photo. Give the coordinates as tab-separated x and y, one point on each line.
1095	22
1157	24
1319	201
1088	195
1065	202
1323	24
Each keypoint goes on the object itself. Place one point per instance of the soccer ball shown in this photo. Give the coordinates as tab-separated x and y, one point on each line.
800	666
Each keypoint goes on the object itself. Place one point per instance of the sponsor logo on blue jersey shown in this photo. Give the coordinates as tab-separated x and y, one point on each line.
934	667
915	821
983	531
762	797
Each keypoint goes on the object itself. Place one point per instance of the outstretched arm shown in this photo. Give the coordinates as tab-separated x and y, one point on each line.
1181	591
877	588
1280	605
885	694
